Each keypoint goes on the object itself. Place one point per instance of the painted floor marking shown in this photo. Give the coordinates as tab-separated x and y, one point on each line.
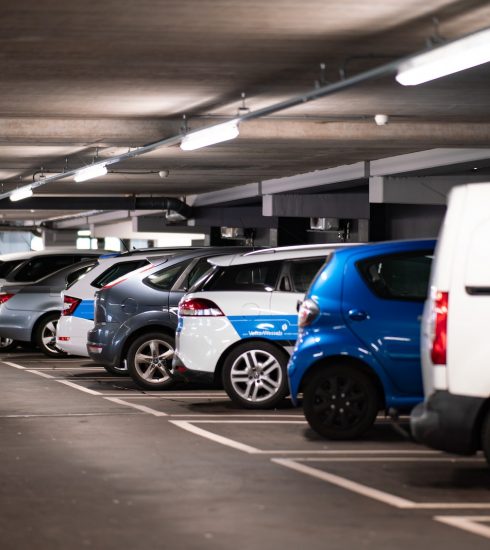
136	406
78	387
472	524
43	374
298	465
190	426
214	437
63	415
14	365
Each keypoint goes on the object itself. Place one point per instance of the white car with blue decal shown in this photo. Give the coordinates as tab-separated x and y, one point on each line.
239	323
77	317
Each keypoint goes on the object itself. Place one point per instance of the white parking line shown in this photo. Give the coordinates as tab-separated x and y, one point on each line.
190	426
472	524
214	437
375	494
14	365
135	406
43	374
77	387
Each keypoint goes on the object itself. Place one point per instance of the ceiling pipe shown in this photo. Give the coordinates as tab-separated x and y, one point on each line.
101	203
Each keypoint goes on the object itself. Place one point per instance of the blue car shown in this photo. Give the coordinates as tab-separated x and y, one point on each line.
358	349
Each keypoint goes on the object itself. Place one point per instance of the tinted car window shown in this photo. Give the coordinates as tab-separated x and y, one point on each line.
41	266
75	276
166	277
252	277
198	270
398	276
8	266
302	272
116	271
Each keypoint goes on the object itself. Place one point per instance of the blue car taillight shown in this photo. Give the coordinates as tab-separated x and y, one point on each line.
308	312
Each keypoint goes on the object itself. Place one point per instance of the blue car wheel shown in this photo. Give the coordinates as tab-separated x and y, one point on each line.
340	402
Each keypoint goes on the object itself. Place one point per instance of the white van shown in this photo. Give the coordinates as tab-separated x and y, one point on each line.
455	416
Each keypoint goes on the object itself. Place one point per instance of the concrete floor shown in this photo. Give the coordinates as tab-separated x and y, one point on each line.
89	461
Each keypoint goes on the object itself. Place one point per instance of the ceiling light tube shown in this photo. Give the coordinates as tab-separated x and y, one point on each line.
467	52
21	193
90	172
210	136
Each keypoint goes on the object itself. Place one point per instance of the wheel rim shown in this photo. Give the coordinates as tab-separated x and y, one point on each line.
340	403
256	376
152	361
5	342
48	337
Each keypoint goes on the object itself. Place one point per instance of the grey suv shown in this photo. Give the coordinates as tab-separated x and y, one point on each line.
136	317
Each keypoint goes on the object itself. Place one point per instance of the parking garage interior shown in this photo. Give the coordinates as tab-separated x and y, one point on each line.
329	149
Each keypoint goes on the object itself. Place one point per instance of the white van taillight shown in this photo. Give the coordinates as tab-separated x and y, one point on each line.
199	307
69	305
307	313
439	343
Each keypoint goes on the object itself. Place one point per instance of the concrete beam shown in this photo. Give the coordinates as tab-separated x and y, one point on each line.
423	160
416	190
333	205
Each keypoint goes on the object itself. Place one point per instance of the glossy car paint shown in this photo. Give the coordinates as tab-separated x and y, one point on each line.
72	330
355	323
127	309
203	342
31	301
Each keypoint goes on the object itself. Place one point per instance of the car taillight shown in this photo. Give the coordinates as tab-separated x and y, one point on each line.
194	307
439	342
69	305
308	312
4	297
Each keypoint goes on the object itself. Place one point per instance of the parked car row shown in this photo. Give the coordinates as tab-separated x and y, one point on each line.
336	327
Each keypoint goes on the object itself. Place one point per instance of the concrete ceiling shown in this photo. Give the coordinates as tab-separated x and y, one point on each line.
113	75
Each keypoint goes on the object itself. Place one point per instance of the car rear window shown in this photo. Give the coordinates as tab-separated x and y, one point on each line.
398	276
8	266
260	276
41	266
165	278
117	270
302	272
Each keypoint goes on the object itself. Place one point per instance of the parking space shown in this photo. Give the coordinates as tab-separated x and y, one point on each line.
384	469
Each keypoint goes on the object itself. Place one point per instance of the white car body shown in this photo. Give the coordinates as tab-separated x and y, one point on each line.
71	331
455	357
203	342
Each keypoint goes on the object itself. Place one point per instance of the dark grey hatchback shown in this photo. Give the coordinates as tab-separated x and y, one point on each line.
136	316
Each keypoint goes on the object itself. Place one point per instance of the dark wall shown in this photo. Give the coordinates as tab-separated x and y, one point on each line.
404	221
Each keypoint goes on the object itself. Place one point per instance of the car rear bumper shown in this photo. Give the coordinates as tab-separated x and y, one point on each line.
181	373
71	335
100	346
447	422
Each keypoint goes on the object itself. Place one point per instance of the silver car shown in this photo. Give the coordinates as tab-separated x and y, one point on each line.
29	311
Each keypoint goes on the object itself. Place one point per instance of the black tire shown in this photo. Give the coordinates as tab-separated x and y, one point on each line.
485	437
340	402
44	336
255	375
7	344
117	371
149	361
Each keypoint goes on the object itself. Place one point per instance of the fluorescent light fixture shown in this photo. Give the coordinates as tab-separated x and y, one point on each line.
21	193
467	52
90	172
210	136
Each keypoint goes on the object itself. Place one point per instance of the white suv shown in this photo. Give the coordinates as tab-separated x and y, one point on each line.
77	316
455	415
239	323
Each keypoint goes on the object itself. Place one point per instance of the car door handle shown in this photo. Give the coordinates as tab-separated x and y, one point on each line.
358	315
